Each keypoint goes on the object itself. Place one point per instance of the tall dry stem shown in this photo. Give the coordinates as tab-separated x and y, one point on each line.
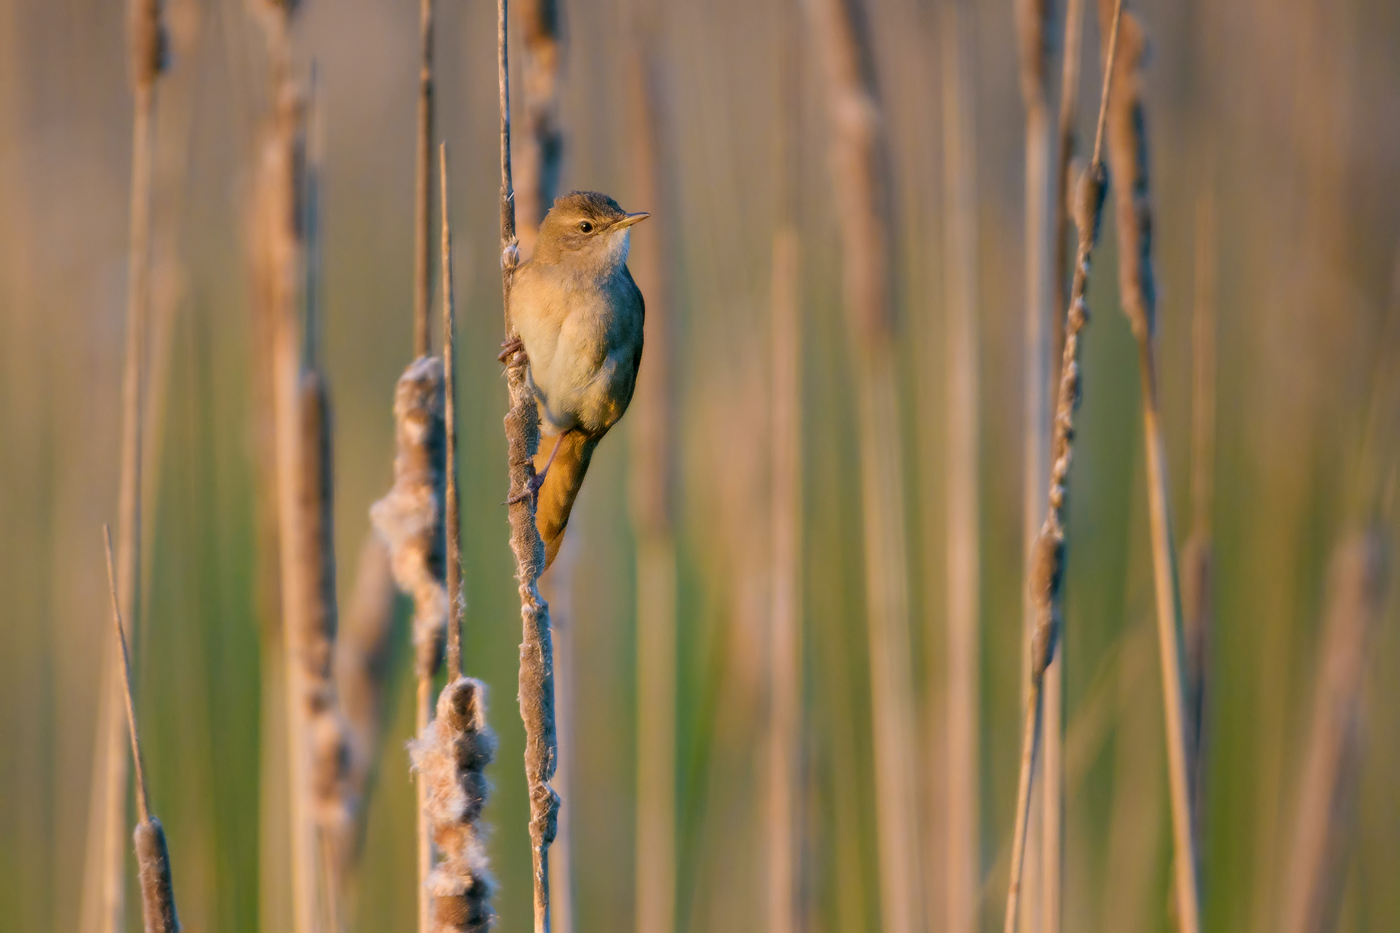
1033	39
1197	555
522	425
1327	800
1127	150
1046	571
862	183
652	508
104	890
964	493
152	854
542	155
422	181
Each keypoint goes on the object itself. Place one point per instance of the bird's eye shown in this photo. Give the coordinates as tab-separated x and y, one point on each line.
585	227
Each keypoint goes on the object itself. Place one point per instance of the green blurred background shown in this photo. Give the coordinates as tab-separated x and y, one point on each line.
1286	113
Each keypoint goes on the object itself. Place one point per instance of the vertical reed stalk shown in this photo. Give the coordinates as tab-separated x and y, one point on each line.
455	606
558	587
1197	557
542	155
862	183
785	727
422	182
539	170
1127	147
653	467
1327	800
362	649
427	668
1032	28
1069	107
105	890
152	855
964	493
1046	570
522	425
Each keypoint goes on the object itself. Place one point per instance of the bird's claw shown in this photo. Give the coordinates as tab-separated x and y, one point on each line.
532	490
510	348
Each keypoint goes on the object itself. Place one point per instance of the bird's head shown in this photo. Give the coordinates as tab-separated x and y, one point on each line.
587	226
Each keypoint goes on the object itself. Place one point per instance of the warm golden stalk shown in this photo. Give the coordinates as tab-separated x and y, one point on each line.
152	855
863	201
422	193
652	479
1327	800
104	889
522	425
1127	148
453	572
542	155
964	570
1046	571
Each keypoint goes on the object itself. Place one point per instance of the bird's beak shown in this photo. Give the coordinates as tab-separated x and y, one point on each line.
630	219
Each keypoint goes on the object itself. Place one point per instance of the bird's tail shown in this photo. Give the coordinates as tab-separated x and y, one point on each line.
561	486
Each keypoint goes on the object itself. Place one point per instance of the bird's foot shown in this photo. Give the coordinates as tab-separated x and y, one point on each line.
510	348
532	489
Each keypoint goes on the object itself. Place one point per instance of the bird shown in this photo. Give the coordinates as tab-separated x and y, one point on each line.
578	316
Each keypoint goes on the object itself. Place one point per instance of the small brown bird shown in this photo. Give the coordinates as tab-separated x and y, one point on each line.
579	318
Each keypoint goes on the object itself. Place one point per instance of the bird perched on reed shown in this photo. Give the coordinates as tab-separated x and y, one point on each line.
578	316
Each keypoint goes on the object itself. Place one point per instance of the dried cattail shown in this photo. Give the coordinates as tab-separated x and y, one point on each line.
332	802
451	756
153	867
522	424
409	518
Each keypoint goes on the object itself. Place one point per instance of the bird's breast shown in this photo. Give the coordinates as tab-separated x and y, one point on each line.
582	337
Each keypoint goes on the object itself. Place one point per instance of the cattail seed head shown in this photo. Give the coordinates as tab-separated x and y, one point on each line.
451	756
410	517
153	865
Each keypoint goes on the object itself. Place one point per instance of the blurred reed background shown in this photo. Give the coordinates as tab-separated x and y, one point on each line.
1274	135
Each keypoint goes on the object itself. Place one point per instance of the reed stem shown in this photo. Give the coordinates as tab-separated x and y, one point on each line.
963	493
104	894
422	181
1046	570
522	427
1127	146
864	199
152	855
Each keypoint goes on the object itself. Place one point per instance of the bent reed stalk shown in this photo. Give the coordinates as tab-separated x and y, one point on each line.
522	427
1127	148
152	853
1046	581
